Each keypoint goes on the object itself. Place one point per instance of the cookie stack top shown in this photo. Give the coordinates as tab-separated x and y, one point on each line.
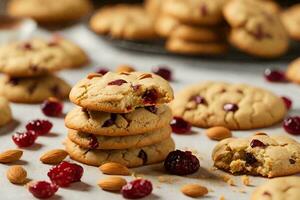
29	67
120	117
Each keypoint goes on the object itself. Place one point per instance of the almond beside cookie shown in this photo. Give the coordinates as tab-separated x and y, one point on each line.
112	183
16	174
194	190
112	168
54	156
218	133
10	156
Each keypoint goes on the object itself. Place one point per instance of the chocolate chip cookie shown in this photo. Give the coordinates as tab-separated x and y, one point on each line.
33	90
136	122
259	155
121	92
133	157
235	106
285	188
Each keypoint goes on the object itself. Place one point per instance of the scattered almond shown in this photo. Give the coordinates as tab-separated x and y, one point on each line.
54	156
16	174
113	168
245	180
218	133
112	183
125	68
10	156
194	190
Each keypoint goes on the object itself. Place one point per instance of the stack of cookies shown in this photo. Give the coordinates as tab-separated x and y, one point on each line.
28	68
120	117
193	27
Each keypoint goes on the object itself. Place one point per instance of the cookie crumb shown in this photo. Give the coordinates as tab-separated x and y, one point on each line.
245	180
167	179
226	178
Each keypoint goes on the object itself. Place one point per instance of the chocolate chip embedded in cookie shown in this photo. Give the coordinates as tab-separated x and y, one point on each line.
5	114
33	90
291	20
198	12
235	106
121	92
255	29
285	188
91	141
263	155
49	11
293	71
37	57
136	122
133	157
123	21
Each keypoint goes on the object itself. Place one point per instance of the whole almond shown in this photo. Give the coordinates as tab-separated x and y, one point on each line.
10	156
113	168
218	133
112	183
194	190
54	156
125	68
16	174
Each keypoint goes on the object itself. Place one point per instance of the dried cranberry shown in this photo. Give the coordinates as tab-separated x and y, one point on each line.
274	75
198	99
152	109
180	126
136	189
136	87
230	107
14	80
52	107
117	82
24	139
292	125
150	96
250	159
143	155
203	10
110	121
288	102
93	141
292	161
26	46
102	71
257	143
40	127
181	163
164	72
42	189
65	173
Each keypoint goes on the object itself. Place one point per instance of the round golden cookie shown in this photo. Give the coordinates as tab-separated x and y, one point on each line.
201	12
293	71
179	46
88	140
255	29
291	20
133	157
122	21
5	114
49	11
167	26
140	120
235	106
153	7
33	90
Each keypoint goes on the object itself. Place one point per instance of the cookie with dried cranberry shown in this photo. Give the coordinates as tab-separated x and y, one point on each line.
291	21
235	106
255	29
180	46
138	121
5	114
284	188
133	157
88	140
34	89
293	71
49	11
37	57
121	92
199	12
258	155
123	21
